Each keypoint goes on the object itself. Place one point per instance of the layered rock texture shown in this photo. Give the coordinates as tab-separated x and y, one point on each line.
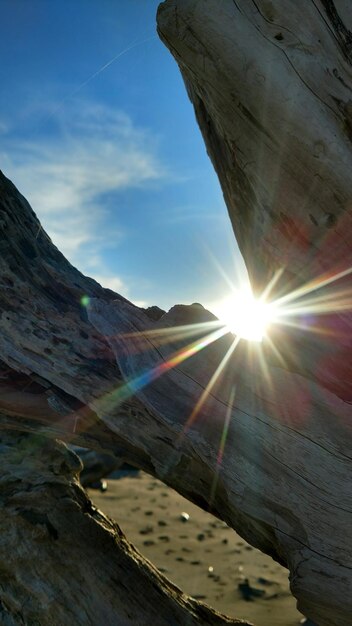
271	85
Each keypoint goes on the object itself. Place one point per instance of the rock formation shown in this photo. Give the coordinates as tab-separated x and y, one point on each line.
63	562
271	84
271	92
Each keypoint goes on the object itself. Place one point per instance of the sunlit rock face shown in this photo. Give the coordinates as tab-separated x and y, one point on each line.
271	83
274	113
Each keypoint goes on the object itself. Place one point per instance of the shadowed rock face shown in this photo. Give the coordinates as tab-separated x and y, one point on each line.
66	563
62	561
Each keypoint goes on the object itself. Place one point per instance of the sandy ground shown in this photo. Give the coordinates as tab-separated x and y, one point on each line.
204	557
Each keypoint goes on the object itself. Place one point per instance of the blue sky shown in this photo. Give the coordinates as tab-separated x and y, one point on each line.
112	161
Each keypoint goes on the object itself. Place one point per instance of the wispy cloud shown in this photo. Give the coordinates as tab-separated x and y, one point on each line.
67	176
3	127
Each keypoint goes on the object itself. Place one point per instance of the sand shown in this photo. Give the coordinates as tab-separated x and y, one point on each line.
204	557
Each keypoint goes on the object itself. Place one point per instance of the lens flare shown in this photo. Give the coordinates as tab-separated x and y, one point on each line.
246	316
85	300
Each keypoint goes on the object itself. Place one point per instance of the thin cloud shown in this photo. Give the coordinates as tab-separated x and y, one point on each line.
111	282
66	177
4	128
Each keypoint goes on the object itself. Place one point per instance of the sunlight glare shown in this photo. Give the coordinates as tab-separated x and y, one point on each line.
244	315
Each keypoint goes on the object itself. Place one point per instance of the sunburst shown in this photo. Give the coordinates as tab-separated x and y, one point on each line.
249	319
245	316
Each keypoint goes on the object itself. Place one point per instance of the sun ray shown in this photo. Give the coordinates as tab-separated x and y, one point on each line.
202	399
292	309
222	444
161	336
173	330
263	366
241	278
277	352
264	296
317	283
320	305
312	327
117	396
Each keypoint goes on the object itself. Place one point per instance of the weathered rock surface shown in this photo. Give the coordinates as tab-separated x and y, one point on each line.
59	379
96	465
271	86
271	92
63	562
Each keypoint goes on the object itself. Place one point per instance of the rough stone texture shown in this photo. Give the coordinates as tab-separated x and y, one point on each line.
66	563
62	562
271	92
96	465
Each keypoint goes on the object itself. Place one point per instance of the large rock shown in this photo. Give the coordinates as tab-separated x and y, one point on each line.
271	85
61	560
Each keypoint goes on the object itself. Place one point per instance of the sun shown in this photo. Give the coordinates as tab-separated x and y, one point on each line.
244	315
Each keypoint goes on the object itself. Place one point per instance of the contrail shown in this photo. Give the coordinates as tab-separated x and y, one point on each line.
99	71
